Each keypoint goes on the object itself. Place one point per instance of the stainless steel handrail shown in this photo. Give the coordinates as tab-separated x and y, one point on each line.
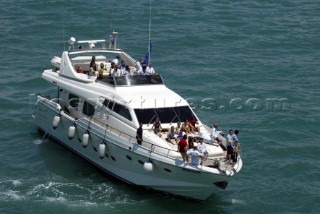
97	122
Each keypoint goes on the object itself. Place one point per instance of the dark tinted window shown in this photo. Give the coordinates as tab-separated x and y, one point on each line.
88	108
134	80
166	115
121	110
117	108
107	103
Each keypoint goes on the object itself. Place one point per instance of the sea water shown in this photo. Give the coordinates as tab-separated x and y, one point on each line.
246	65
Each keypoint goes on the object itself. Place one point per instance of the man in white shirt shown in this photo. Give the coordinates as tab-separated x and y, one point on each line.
116	60
138	66
235	136
114	72
196	156
150	69
202	147
214	133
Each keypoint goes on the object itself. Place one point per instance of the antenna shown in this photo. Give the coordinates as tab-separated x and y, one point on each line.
63	31
63	35
111	24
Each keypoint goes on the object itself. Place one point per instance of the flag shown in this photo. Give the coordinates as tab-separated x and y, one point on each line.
148	55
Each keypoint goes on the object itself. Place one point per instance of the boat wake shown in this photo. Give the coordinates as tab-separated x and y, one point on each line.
68	194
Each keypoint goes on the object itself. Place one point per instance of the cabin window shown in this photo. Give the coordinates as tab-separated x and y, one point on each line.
117	108
110	105
166	115
107	103
88	108
122	110
73	100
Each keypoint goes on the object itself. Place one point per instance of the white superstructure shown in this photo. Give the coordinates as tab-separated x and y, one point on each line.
97	118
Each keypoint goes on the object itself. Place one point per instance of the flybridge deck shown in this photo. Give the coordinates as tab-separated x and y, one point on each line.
81	57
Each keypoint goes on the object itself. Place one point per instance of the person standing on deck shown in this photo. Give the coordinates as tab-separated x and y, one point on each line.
196	156
116	60
214	133
230	145
183	148
139	134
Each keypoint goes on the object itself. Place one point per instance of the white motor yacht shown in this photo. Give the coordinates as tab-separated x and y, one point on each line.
97	114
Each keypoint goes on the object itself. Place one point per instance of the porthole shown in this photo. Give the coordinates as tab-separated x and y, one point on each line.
141	162
95	149
113	158
129	158
168	170
107	155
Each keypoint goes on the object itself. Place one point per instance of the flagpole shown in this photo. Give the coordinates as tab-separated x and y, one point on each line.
149	51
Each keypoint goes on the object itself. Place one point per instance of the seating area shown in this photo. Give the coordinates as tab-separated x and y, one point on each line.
84	63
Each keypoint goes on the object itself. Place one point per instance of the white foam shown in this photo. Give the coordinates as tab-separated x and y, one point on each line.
236	201
16	182
59	199
37	141
11	195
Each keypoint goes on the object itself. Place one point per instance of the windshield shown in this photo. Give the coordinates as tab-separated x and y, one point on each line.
134	80
166	115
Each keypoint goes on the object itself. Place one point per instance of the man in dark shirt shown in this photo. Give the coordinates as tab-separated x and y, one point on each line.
183	147
139	134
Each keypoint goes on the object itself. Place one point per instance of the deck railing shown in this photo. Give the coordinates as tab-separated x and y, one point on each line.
150	147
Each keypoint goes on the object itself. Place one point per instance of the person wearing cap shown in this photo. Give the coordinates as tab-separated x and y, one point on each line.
196	156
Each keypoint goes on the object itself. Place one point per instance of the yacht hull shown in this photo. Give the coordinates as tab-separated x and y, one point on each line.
125	159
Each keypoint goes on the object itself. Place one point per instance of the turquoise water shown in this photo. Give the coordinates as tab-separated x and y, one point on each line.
247	65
